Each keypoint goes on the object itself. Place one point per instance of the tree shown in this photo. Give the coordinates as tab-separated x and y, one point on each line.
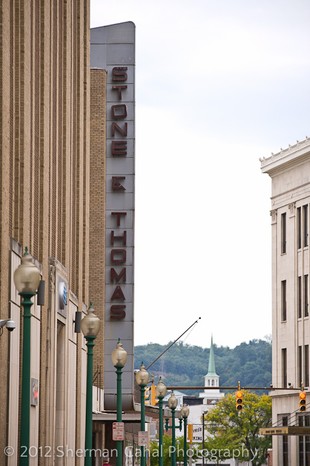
186	364
154	451
167	451
235	434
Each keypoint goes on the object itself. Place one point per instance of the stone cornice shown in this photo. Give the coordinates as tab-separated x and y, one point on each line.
292	155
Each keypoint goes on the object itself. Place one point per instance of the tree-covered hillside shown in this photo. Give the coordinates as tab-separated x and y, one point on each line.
182	364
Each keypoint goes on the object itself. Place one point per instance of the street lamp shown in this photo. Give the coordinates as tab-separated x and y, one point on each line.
161	391
90	327
142	379
119	358
172	404
203	437
26	278
184	415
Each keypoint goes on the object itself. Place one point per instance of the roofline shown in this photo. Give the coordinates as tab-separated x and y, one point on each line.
286	157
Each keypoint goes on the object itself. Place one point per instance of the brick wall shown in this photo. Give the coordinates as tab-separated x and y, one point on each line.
97	207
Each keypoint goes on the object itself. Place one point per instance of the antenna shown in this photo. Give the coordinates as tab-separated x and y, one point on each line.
171	344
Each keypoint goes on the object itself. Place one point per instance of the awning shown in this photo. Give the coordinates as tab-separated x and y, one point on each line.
110	416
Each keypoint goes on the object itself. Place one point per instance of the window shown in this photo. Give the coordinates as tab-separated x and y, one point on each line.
306	363
302	226
299	366
306	299
283	233
304	442
305	225
284	367
299	301
283	300
299	227
285	443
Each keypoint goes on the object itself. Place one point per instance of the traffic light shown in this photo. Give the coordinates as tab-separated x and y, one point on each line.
154	400
239	396
302	401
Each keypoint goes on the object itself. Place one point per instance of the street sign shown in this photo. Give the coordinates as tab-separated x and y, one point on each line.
118	431
286	430
34	392
143	439
274	431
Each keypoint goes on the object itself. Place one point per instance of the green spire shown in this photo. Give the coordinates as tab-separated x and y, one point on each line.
211	368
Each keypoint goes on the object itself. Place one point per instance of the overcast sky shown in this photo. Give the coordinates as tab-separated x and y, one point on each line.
219	84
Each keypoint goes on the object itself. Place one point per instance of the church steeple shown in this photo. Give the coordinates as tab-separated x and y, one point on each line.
211	393
212	379
211	368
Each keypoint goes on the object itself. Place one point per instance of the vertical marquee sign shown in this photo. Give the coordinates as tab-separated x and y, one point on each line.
113	49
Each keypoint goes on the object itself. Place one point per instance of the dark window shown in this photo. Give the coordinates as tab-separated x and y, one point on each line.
285	443
283	300
284	367
302	226
299	300
306	379
299	227
304	442
306	299
283	233
299	366
305	225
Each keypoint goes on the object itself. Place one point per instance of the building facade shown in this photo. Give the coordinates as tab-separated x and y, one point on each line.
112	152
45	206
289	171
112	50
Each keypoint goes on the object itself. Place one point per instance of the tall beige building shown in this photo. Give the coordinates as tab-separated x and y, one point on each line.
45	205
289	171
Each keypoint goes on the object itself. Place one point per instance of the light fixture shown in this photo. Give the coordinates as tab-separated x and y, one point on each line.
184	411
142	376
90	324
119	355
172	401
27	276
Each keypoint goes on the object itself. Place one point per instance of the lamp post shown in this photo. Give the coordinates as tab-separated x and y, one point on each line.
161	391
142	379
203	437
184	416
172	404
119	358
26	278
90	327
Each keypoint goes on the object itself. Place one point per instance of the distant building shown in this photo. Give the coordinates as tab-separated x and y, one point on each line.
206	399
212	379
290	198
